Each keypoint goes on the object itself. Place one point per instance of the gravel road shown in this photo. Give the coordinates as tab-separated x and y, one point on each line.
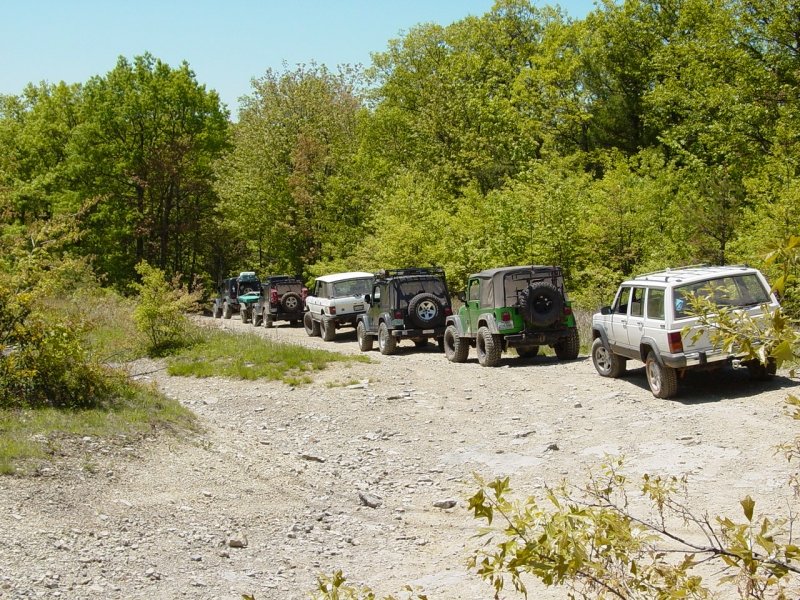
284	484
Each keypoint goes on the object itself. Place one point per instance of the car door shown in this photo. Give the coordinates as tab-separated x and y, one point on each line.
375	308
618	334
635	325
472	305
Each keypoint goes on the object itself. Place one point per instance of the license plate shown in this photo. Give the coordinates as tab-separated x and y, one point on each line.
427	331
505	325
358	307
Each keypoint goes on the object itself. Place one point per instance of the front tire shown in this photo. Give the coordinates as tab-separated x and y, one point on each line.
387	344
489	348
257	319
269	321
227	312
456	349
663	380
605	361
311	326
364	340
217	311
327	329
568	349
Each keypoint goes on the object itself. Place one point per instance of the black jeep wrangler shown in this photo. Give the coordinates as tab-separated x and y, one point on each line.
227	301
283	298
410	303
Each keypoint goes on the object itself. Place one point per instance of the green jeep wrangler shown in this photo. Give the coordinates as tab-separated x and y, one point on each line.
512	307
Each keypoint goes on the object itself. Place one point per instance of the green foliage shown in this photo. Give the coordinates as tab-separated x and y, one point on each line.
159	312
336	587
220	354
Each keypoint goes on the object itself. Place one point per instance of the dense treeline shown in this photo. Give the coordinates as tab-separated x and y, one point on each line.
649	134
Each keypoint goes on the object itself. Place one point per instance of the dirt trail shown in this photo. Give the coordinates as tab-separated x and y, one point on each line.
288	473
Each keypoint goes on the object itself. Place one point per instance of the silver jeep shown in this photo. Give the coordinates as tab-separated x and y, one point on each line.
650	321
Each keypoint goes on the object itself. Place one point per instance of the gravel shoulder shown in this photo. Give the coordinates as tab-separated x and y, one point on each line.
289	474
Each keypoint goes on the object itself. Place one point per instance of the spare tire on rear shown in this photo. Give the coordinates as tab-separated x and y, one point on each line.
291	302
541	304
425	310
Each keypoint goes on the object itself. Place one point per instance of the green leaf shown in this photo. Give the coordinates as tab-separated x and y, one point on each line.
748	504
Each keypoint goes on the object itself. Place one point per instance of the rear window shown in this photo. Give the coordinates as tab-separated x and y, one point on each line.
284	287
735	290
352	287
406	290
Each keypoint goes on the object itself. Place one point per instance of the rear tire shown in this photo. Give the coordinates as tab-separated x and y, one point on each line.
663	380
216	311
605	361
364	340
269	321
568	349
387	344
489	348
456	349
327	329
227	312
257	319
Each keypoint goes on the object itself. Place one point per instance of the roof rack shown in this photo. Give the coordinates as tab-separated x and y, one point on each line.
407	271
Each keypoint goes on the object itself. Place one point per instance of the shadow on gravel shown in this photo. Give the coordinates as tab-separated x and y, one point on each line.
699	387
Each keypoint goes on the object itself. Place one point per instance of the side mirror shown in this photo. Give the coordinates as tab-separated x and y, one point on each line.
367	299
462	296
605	310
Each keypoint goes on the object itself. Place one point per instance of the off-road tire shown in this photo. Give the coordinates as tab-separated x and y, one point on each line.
243	314
216	311
541	304
663	380
605	361
569	347
327	329
489	347
387	343
311	325
291	302
257	319
364	340
527	351
425	310
269	320
456	349
227	311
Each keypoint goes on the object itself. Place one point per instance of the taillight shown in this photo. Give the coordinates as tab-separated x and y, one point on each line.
332	310
448	311
675	342
567	311
273	296
304	293
506	316
398	314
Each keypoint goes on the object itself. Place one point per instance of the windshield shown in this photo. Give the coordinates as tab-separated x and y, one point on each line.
351	287
736	291
406	290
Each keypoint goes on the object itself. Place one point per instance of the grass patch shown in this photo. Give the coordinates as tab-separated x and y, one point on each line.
248	356
29	437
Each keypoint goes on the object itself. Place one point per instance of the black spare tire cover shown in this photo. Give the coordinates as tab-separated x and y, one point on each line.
541	304
425	310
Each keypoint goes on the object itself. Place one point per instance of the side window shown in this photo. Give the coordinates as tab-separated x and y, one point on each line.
655	304
637	302
318	289
376	295
474	289
621	303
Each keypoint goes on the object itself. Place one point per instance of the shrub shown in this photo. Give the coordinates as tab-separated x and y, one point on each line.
159	313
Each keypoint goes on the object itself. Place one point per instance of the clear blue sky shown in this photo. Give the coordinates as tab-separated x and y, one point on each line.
226	43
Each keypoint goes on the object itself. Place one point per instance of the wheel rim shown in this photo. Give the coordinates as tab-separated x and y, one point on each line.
603	359
426	310
654	376
291	303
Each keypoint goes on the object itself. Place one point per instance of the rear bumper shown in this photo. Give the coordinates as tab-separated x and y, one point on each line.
434	332
536	338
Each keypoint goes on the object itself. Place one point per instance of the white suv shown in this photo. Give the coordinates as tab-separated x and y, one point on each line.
337	301
649	315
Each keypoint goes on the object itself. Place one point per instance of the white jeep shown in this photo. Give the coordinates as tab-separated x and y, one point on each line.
650	314
336	302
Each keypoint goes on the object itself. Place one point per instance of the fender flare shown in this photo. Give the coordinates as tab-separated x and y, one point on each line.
490	322
455	321
647	345
598	331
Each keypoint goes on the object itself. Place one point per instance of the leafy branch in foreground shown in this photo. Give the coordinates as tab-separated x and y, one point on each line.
592	541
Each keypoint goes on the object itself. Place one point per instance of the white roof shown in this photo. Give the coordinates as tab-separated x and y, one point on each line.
690	274
333	278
